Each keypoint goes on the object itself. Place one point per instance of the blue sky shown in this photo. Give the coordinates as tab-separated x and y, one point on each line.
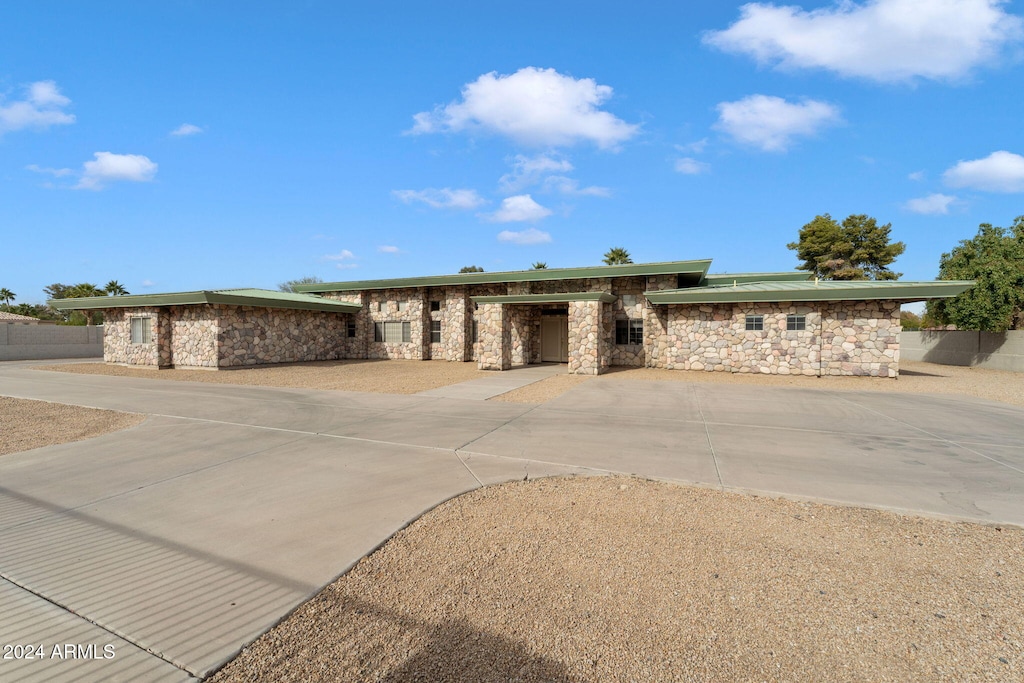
193	145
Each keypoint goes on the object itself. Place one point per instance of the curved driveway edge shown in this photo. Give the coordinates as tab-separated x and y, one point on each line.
194	532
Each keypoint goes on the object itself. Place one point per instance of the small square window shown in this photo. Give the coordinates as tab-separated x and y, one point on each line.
435	305
403	306
142	330
796	322
435	331
350	329
629	332
754	322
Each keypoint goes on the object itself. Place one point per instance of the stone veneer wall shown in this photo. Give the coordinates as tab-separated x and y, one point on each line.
588	343
841	338
861	338
256	336
493	346
194	331
383	307
628	306
117	338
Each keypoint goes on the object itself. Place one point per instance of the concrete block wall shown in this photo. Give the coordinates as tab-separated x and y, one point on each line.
42	342
993	350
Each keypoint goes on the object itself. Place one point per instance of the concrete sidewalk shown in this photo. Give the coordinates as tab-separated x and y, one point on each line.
182	539
498	383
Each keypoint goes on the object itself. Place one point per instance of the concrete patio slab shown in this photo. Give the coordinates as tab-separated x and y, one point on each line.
498	383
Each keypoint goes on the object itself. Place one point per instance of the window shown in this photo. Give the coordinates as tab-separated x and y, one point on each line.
392	332
403	306
629	332
142	330
796	322
435	305
755	322
435	331
474	332
350	329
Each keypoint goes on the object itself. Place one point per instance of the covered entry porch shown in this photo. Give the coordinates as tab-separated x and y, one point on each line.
516	330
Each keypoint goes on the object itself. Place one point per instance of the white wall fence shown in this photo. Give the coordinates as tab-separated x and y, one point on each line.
995	350
38	342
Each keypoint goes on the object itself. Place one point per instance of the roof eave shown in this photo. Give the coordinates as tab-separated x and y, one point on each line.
905	292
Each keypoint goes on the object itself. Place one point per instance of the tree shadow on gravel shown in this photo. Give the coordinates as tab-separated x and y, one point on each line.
456	650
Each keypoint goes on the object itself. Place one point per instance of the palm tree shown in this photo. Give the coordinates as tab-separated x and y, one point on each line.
539	265
6	295
617	256
115	288
83	290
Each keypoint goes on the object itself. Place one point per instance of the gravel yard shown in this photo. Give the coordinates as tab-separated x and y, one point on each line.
26	424
619	579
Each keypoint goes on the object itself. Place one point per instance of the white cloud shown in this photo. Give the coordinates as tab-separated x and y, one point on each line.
444	198
519	208
539	107
883	40
693	147
41	108
108	167
528	236
527	171
186	129
55	172
931	205
916	176
343	255
691	166
148	283
346	266
998	172
388	249
770	123
571	186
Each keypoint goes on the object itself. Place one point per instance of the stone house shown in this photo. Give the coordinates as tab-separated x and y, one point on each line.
665	315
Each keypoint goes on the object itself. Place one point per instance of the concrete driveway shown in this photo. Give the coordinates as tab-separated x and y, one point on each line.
180	540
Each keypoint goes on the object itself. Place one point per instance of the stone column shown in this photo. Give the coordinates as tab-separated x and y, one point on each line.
494	338
455	324
585	338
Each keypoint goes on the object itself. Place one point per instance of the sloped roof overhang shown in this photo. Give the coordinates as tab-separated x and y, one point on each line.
257	298
603	297
827	290
696	268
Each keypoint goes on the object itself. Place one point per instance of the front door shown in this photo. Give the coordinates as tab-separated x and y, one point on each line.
554	339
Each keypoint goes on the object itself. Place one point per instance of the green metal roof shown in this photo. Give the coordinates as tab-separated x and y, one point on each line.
740	278
629	270
824	290
545	298
257	298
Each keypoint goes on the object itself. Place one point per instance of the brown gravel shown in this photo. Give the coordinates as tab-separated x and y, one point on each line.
27	424
915	377
382	376
619	579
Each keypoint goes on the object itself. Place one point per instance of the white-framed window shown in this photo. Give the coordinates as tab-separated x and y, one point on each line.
403	306
796	322
754	323
142	330
435	331
392	332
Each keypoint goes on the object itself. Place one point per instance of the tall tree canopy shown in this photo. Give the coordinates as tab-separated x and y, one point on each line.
289	286
6	295
994	258
857	249
617	256
471	269
115	288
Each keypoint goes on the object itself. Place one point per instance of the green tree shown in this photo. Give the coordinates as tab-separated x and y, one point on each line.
994	259
289	286
6	295
857	249
539	265
617	256
471	269
115	288
79	291
910	320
